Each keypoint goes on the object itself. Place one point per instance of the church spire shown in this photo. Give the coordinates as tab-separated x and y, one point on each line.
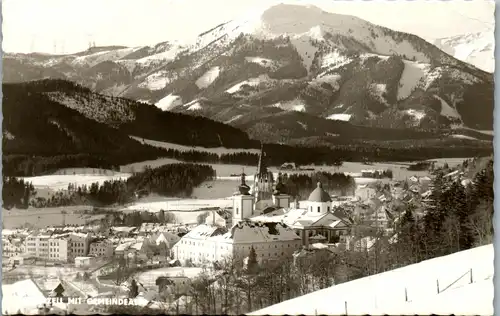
261	167
243	176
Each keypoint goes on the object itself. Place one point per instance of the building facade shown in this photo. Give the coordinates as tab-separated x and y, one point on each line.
53	247
59	248
37	245
101	248
79	245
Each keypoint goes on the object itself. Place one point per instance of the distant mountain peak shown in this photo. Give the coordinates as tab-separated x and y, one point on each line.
476	48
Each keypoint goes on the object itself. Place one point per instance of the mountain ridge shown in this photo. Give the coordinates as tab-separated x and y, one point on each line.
290	58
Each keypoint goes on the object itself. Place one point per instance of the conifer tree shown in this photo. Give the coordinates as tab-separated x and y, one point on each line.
134	289
252	264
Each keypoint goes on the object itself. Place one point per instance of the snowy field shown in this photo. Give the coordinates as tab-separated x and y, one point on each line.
79	176
217	150
208	77
384	293
224	171
339	117
218	189
43	272
148	278
22	297
169	102
187	209
43	217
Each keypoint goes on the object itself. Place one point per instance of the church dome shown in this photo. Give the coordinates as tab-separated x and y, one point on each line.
319	195
244	189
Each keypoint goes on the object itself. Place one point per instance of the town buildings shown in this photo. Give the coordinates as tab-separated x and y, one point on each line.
316	219
53	246
12	247
278	233
101	248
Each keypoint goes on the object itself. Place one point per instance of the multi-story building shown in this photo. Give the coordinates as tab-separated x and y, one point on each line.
209	243
79	245
101	248
59	247
37	245
53	247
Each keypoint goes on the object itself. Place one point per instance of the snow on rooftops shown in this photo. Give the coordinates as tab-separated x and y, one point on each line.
80	235
137	245
247	231
384	293
60	236
451	174
7	232
318	246
124	229
124	246
204	232
299	217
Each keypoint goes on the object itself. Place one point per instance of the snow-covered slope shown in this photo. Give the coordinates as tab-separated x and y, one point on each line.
99	57
288	58
477	49
169	102
386	293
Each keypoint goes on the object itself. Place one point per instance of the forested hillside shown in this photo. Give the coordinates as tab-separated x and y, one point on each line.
168	180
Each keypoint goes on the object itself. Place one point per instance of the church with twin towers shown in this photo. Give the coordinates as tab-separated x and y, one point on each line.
263	184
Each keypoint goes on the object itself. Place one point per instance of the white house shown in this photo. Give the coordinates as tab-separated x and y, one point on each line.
59	247
208	243
37	245
83	261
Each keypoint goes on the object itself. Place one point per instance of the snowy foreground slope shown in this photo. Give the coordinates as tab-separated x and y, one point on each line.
384	293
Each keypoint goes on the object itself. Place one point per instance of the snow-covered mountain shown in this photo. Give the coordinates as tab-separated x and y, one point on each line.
271	65
477	49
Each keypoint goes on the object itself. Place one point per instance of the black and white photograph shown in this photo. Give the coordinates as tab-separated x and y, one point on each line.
247	157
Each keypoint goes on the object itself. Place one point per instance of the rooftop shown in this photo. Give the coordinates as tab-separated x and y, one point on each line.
319	195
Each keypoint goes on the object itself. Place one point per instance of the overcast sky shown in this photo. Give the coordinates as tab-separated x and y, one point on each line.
69	25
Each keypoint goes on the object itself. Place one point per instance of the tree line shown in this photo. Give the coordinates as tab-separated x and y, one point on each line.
170	180
301	185
457	217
